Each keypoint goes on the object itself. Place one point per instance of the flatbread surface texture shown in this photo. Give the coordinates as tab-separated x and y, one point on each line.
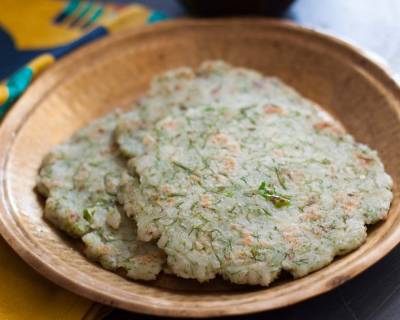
252	181
80	179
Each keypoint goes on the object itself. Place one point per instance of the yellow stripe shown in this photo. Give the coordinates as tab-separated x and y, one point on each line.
30	23
3	93
40	63
133	15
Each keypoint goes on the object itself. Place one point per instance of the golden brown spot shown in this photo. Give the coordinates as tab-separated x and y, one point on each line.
220	138
146	259
318	231
311	216
104	249
220	178
151	232
162	241
278	152
170	124
195	178
245	232
234	147
225	141
240	254
264	244
113	218
166	189
229	164
295	176
292	240
364	159
290	235
234	226
347	202
170	201
56	183
204	243
148	140
247	240
310	201
322	125
205	201
208	68
272	109
333	128
185	73
199	245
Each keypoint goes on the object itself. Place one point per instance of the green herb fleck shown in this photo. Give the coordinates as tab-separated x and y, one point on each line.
88	214
177	194
229	193
243	112
103	202
325	161
266	212
280	178
300	261
187	169
270	194
196	228
256	254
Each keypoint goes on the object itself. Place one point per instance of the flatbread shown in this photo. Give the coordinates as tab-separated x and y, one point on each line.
80	179
248	188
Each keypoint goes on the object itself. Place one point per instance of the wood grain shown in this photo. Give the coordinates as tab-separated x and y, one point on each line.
117	70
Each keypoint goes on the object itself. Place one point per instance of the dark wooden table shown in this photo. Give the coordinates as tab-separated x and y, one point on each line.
373	25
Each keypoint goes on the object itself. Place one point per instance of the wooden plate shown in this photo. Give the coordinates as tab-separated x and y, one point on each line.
115	71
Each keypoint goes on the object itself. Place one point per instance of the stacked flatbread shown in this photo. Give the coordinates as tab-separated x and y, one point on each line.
215	171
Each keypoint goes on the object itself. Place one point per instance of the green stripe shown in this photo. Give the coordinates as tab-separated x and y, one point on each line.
85	10
97	14
71	7
16	85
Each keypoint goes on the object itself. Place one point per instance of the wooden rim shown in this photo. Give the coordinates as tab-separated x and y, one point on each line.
247	303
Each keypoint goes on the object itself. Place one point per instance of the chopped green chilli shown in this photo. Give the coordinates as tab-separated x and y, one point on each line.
270	194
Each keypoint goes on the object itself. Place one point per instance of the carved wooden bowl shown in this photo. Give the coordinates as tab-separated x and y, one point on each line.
117	70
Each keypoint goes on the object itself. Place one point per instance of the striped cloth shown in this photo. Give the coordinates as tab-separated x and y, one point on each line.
34	34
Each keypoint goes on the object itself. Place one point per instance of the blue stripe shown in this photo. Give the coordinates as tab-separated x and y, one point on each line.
96	33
